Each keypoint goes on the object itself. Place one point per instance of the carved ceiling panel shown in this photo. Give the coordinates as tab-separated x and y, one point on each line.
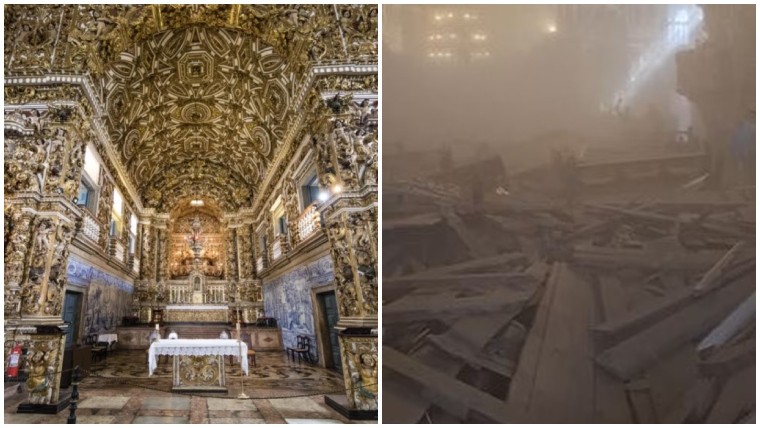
198	98
198	103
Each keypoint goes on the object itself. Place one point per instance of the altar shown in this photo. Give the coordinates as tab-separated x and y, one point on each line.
198	364
196	313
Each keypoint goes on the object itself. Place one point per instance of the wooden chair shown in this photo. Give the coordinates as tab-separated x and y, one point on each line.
302	349
246	338
99	349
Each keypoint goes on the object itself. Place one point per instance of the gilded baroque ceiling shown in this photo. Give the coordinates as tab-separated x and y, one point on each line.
198	98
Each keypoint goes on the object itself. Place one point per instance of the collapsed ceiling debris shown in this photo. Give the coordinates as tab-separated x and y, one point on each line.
618	291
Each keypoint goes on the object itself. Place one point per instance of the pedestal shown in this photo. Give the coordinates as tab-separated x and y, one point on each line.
339	403
47	409
44	360
358	348
202	373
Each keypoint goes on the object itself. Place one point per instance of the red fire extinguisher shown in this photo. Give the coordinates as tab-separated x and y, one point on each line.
13	361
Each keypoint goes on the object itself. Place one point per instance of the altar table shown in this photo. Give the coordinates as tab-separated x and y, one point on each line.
198	364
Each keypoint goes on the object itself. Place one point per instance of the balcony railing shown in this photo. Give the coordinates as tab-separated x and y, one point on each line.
119	251
276	249
260	264
90	226
135	265
308	222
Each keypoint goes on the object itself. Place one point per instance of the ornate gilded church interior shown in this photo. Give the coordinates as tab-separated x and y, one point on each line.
190	213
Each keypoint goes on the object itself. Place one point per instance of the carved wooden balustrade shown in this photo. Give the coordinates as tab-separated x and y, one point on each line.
180	293
135	263
90	226
215	293
279	247
183	294
116	249
308	223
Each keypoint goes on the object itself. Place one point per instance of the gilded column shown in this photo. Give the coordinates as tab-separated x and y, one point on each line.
346	147
16	250
231	273
44	155
145	285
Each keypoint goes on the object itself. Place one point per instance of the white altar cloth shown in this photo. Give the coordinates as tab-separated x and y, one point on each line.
197	347
108	337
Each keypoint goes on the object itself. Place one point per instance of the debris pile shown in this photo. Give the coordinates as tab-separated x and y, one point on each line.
614	292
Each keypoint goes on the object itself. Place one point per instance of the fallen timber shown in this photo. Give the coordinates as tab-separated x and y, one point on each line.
612	314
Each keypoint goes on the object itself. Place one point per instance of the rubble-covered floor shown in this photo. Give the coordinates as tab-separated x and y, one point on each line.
625	296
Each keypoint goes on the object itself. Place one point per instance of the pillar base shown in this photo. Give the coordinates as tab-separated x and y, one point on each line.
47	409
339	402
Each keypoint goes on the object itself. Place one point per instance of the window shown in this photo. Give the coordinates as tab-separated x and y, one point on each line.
132	233
91	165
263	243
117	219
88	195
278	218
310	191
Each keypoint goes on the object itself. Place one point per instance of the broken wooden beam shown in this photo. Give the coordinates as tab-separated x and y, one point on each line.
717	270
618	258
448	305
729	359
473	265
633	355
739	318
456	397
636	213
443	281
554	381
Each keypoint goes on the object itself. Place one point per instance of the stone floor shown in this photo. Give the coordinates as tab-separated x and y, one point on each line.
120	391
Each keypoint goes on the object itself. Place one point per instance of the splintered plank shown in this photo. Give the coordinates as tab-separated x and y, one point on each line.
492	279
462	347
467	237
400	403
736	399
448	305
620	327
633	355
618	258
640	396
730	358
715	272
610	401
740	317
554	381
480	329
456	397
477	265
613	296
